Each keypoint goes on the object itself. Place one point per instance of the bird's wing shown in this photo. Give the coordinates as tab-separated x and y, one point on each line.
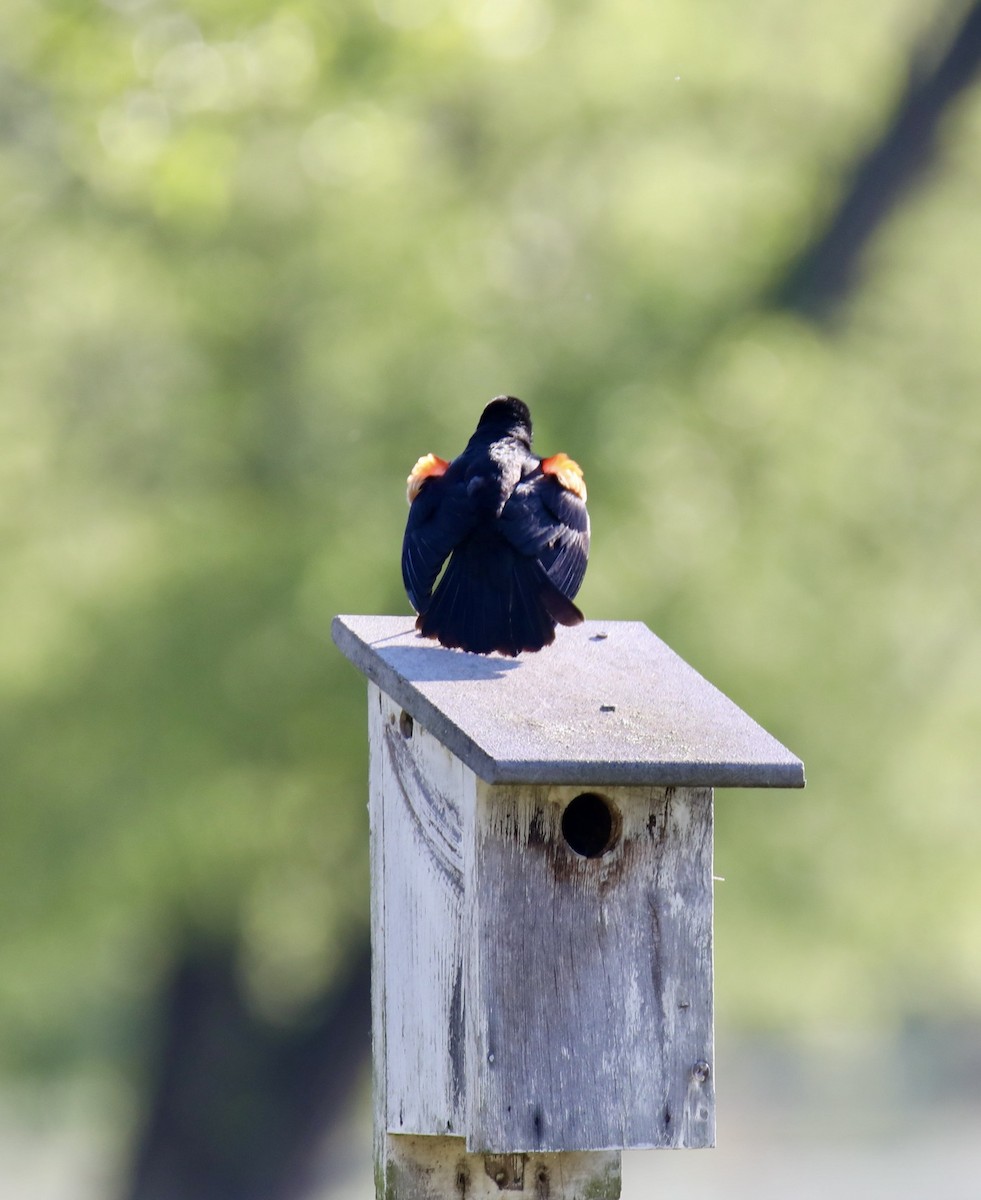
439	518
546	517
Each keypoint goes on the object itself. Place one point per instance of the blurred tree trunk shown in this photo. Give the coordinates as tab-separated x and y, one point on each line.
823	275
238	1108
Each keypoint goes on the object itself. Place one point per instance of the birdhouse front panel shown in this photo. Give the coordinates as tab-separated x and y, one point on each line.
589	998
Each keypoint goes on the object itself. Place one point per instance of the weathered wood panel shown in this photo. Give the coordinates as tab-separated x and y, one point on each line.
590	979
607	703
417	787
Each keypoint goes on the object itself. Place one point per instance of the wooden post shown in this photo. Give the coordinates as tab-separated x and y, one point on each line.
541	841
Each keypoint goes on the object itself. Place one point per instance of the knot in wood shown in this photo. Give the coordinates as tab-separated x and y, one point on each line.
507	1171
701	1071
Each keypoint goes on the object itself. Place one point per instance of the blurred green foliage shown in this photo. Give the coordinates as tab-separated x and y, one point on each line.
256	257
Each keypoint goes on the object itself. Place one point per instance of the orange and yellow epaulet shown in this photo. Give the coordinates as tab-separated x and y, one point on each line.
567	472
428	465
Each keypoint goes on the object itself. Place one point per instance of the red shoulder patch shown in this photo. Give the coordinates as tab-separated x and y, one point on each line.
428	465
567	472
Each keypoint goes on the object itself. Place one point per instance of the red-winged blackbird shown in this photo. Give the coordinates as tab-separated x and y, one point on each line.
515	530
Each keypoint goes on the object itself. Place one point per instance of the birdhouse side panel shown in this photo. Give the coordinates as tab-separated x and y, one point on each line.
590	996
416	788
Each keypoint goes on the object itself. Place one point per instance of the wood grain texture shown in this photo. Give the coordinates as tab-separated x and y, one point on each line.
590	979
417	787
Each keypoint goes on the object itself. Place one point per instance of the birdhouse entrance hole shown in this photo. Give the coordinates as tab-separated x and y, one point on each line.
590	824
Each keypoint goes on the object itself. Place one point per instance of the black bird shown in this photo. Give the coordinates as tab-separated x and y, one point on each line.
515	530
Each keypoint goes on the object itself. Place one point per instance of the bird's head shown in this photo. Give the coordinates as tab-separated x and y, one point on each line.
506	415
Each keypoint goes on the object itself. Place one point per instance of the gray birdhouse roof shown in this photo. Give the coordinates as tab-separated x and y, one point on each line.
607	703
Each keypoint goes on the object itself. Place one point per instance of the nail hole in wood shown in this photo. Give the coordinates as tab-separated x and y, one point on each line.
405	725
590	824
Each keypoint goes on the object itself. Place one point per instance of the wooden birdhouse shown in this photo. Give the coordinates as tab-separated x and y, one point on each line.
541	855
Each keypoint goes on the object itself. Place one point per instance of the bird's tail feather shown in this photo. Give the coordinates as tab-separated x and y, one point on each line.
492	598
